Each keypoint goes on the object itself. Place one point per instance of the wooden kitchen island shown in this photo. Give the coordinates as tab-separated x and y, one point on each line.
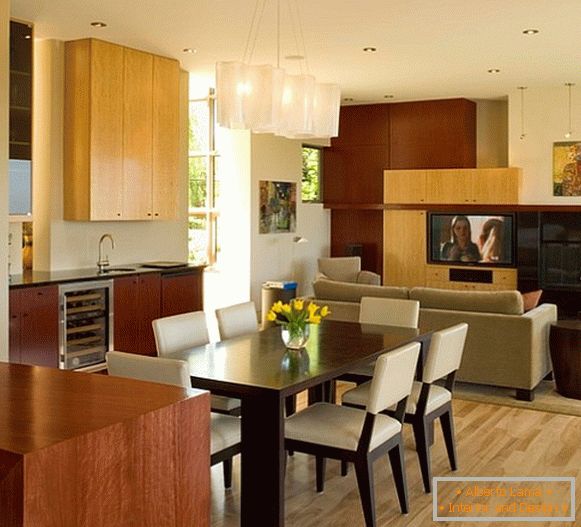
90	450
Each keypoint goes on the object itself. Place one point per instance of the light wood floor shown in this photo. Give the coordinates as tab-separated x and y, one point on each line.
491	441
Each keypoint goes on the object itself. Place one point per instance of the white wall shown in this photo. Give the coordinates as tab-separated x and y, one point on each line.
276	256
60	244
546	121
491	133
4	68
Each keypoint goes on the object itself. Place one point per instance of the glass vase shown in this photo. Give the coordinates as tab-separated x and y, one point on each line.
295	338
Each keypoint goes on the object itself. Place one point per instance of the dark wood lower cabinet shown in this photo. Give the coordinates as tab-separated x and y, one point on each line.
34	336
182	292
136	303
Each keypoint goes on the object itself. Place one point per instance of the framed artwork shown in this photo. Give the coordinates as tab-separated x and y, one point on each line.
277	207
567	168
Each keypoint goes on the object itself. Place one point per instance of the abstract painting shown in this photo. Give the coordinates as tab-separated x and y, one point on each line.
278	207
567	168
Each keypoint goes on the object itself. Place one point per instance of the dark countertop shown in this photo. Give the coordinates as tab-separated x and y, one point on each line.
35	278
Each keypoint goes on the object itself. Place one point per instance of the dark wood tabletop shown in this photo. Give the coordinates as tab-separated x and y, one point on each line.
258	369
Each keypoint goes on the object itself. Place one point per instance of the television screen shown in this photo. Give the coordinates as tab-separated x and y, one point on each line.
471	239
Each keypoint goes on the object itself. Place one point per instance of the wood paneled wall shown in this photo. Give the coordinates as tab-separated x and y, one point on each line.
374	137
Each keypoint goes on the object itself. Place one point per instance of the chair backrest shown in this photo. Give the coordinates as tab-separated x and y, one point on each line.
342	269
153	369
237	320
445	353
389	311
393	377
180	332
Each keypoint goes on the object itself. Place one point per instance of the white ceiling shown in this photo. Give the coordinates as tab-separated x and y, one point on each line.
425	48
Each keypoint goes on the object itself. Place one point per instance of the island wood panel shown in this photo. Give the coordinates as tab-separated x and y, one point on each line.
404	186
432	134
137	135
359	227
404	248
14	309
182	293
165	175
141	459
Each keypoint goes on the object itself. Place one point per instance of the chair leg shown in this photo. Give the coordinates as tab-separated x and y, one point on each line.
321	463
364	471
344	468
447	422
397	462
430	433
423	450
227	469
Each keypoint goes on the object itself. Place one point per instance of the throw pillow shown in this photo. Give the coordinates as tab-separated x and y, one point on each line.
531	299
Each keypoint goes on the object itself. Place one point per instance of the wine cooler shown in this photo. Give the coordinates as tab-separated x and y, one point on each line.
86	323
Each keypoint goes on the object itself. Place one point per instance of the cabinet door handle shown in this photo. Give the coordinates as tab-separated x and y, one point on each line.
156	214
149	213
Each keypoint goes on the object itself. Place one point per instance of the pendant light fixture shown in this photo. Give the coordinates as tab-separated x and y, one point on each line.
522	111
264	98
570	128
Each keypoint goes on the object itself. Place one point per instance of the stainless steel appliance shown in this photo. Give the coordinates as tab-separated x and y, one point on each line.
86	323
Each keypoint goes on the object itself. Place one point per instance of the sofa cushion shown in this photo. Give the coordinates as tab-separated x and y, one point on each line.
503	302
347	292
531	299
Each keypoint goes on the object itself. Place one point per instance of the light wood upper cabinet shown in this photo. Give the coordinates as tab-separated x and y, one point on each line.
459	186
404	186
450	186
166	79
121	133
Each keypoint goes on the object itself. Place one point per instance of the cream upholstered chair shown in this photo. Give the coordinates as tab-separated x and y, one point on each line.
225	429
236	320
188	330
429	401
327	430
346	269
386	312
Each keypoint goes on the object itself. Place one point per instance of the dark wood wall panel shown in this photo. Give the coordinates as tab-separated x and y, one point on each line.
367	124
354	174
433	134
364	227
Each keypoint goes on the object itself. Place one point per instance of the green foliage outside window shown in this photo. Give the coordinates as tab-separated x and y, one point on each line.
311	182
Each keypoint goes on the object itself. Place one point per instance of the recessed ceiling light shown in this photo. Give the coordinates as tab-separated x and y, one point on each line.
295	57
189	50
370	49
98	24
388	96
348	99
493	70
530	31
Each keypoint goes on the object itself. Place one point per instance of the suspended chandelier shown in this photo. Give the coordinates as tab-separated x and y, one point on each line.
265	99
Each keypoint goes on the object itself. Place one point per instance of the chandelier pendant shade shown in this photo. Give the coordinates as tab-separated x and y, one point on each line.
265	99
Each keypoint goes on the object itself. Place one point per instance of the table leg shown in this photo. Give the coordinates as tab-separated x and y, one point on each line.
262	500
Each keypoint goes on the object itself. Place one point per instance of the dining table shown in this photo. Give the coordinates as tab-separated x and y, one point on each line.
262	373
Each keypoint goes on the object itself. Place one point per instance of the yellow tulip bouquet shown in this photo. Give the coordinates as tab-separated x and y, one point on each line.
294	317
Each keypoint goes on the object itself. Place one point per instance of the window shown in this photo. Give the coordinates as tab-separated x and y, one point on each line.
203	185
312	174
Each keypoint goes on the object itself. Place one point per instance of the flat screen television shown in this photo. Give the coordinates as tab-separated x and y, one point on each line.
471	239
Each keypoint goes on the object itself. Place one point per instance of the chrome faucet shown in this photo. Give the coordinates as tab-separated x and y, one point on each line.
103	262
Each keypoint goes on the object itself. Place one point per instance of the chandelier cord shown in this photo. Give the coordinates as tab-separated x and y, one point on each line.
302	46
569	86
522	111
253	31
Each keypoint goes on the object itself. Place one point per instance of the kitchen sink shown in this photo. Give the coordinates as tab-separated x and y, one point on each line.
112	270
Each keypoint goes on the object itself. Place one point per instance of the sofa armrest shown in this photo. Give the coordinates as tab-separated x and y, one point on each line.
369	278
541	317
